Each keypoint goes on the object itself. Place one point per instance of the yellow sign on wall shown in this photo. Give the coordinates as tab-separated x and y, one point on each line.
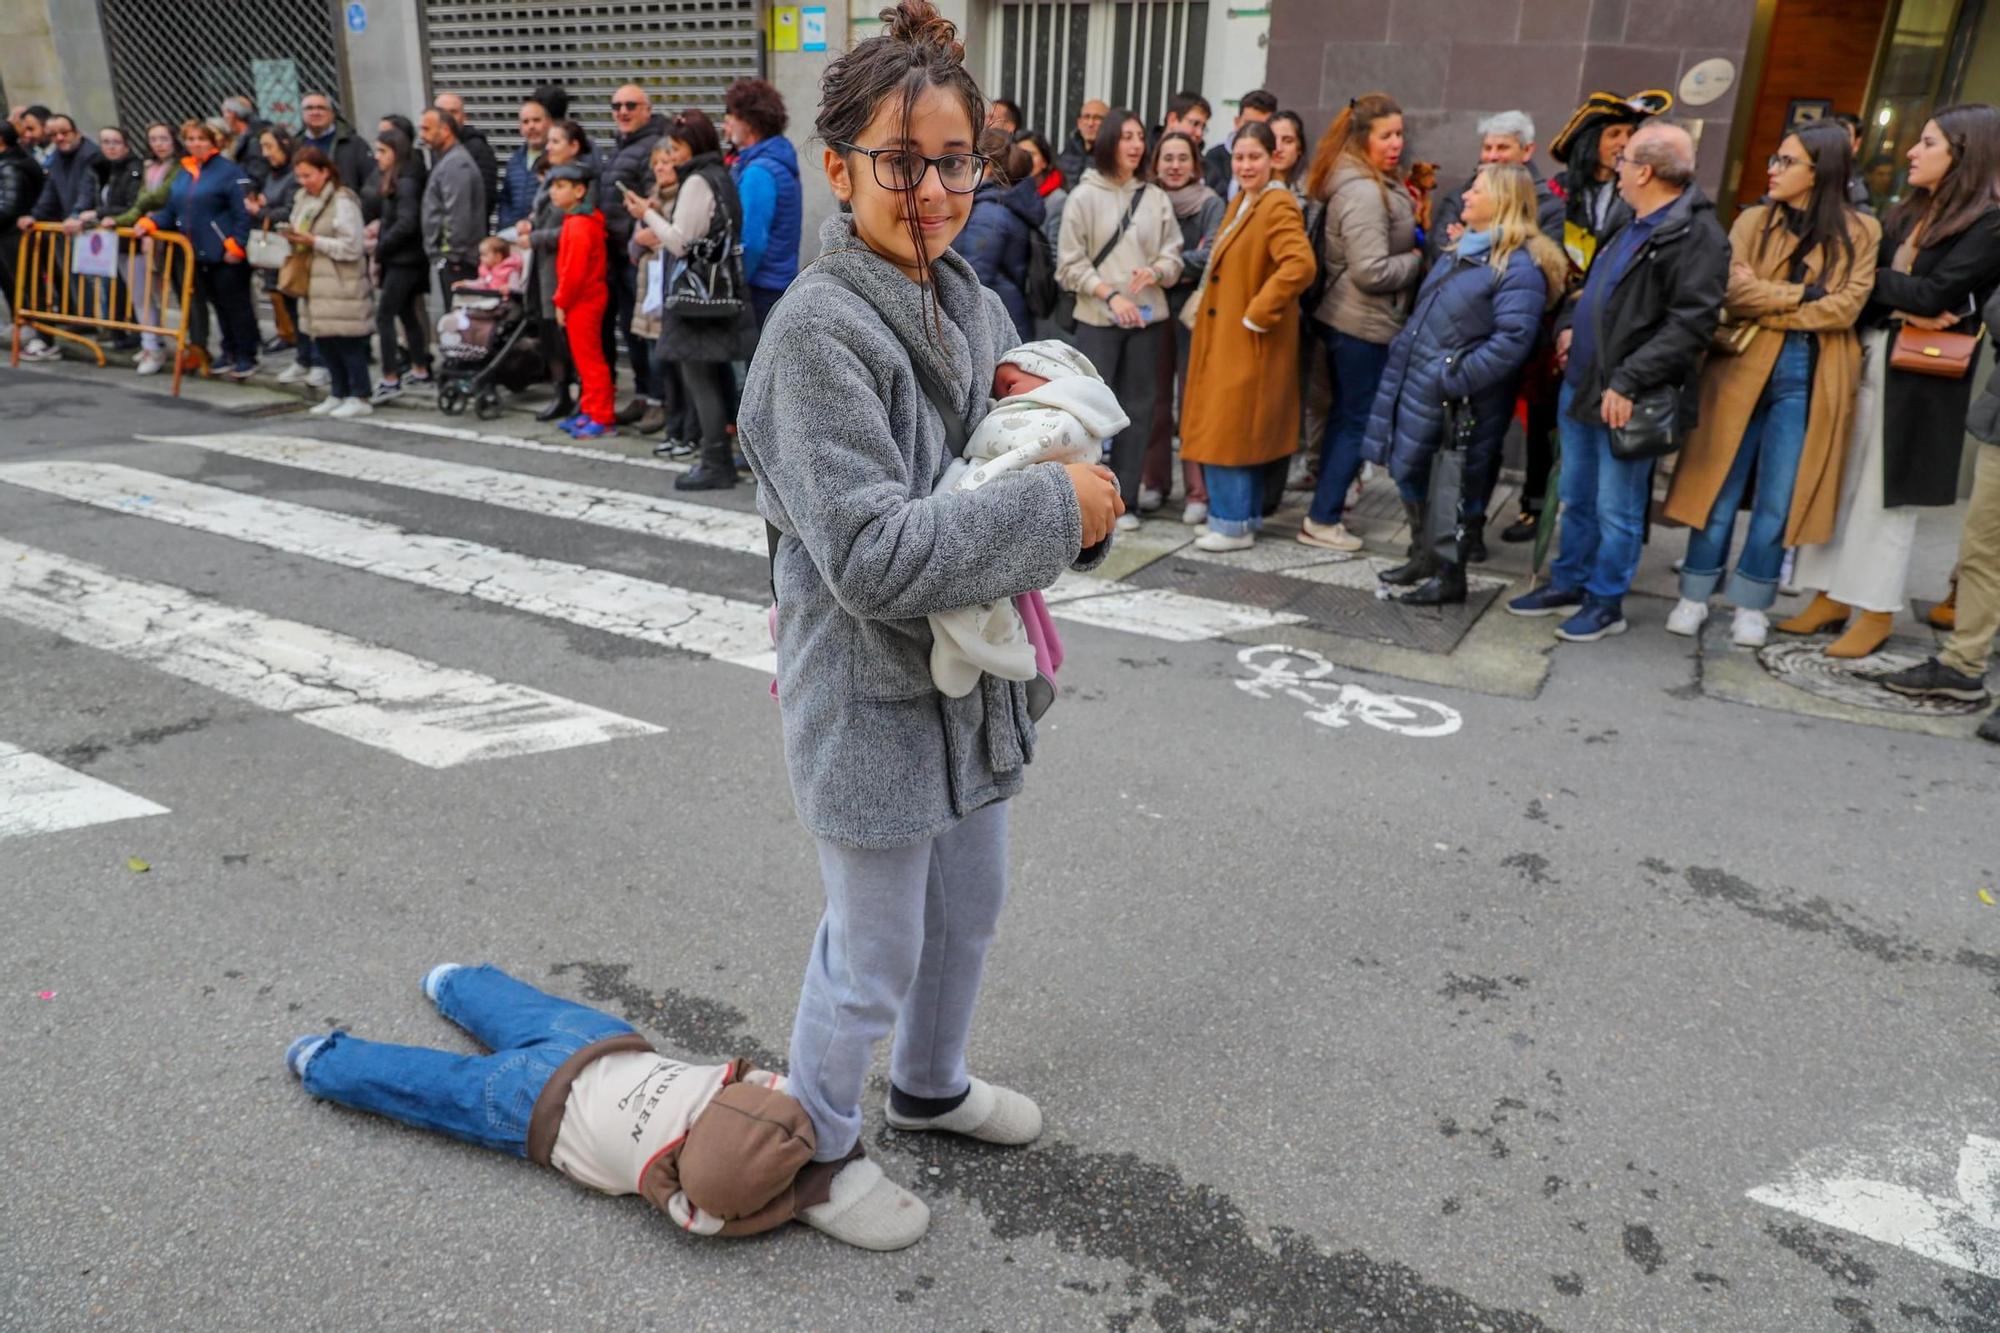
785	28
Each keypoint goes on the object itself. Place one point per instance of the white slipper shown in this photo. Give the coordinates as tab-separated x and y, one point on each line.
868	1210
988	1113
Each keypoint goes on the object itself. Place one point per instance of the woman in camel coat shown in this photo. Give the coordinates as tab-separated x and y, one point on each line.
1241	409
1784	408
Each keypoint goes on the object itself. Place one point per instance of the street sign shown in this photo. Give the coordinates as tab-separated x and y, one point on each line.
357	17
812	28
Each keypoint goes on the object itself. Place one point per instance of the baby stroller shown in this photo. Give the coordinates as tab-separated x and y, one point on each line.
484	346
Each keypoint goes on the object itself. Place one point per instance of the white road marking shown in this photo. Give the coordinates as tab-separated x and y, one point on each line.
39	795
433	715
1301	674
695	622
1963	1232
628	511
379	422
1153	612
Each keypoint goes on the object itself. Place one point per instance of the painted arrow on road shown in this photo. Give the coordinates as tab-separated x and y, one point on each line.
1963	1232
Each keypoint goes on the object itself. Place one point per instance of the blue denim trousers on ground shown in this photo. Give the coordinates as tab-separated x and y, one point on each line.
1773	442
1235	500
902	944
1604	503
1355	366
482	1099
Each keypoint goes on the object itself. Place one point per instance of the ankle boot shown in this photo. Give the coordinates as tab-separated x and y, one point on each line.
1944	615
1867	632
561	408
715	472
1823	614
1420	564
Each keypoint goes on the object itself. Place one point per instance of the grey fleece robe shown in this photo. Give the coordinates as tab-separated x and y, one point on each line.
847	451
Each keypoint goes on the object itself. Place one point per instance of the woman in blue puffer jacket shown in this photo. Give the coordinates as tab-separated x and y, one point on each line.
208	205
1005	220
1474	324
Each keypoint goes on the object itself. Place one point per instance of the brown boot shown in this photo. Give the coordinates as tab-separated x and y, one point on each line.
1944	615
1867	632
1823	614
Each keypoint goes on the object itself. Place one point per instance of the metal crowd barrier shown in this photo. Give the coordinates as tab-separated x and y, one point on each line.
152	292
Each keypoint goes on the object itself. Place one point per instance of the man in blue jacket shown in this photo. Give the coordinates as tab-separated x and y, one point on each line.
767	179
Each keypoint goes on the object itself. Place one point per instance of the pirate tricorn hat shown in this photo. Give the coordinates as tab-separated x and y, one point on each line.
1609	109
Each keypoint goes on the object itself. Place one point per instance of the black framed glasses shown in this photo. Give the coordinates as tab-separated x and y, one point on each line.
903	168
626	106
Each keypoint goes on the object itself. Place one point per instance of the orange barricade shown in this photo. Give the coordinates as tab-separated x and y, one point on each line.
154	272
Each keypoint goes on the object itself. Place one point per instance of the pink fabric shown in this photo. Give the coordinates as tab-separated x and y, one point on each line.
1034	613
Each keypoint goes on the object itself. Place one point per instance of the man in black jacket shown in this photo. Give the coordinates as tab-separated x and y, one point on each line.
323	130
1635	333
629	164
1506	136
1074	159
1217	168
475	143
240	114
20	188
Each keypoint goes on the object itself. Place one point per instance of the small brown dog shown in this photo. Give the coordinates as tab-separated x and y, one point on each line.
1423	179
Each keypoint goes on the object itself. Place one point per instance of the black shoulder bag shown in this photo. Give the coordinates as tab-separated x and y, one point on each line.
1065	316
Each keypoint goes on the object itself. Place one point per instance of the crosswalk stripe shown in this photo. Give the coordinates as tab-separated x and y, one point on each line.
381	422
433	715
695	622
39	795
629	511
1158	613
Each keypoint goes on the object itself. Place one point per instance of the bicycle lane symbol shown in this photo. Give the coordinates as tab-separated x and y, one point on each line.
1302	674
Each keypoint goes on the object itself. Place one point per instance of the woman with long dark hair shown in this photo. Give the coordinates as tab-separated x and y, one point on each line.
706	208
1780	409
1120	248
404	274
1198	210
1049	183
1371	250
1938	263
1288	163
271	204
880	355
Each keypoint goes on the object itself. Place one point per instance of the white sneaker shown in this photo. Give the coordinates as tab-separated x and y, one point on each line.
293	373
1686	618
324	407
1749	629
1215	541
40	351
1150	499
1127	523
150	363
1328	536
1195	514
353	407
868	1210
319	377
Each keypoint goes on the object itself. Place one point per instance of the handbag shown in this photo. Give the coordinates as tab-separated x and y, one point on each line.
268	249
295	274
1444	529
1065	316
1936	352
1654	430
1323	272
1732	336
706	284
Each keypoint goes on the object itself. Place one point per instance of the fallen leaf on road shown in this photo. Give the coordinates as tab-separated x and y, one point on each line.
136	866
1986	897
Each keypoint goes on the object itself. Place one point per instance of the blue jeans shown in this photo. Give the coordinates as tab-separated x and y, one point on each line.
1604	503
1235	498
902	944
482	1099
1356	367
1772	444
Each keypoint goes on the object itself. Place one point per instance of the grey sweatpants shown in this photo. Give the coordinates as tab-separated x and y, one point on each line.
902	944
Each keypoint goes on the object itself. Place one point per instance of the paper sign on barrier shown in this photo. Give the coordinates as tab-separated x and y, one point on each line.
94	255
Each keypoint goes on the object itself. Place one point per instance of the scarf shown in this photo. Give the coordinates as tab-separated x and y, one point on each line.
1051	182
1189	198
1474	244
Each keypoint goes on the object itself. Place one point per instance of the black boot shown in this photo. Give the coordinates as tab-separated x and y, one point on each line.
1523	528
1420	564
1446	585
715	472
1475	543
561	408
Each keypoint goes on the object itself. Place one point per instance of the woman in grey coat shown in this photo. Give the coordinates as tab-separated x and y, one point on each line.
542	229
905	790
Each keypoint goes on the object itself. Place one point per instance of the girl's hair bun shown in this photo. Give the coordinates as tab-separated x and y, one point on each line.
918	23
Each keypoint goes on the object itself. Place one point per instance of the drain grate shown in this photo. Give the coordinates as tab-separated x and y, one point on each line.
1803	666
1336	609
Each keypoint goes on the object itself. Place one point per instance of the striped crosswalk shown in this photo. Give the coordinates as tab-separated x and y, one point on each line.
429	713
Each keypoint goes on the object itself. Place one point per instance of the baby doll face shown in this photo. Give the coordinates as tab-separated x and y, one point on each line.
1010	379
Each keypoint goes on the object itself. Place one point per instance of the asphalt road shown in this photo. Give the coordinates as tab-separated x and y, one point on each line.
1334	1026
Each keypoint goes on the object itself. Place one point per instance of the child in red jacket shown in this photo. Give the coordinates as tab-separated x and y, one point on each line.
581	295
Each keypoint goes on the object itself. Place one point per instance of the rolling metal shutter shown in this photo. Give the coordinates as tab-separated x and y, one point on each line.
170	62
684	53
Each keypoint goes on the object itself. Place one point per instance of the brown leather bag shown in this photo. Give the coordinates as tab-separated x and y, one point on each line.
1936	352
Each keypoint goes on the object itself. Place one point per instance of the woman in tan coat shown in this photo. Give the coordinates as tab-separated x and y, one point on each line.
1242	403
340	299
1782	408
